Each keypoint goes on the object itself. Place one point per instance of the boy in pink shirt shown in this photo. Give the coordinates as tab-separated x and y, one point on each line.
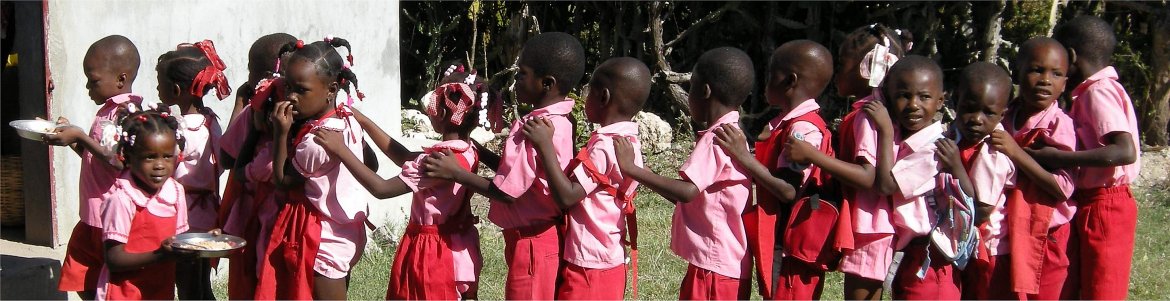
550	65
707	228
110	66
1107	156
599	198
798	72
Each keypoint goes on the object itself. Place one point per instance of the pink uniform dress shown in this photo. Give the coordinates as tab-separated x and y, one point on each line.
141	222
1106	221
531	242
1042	273
595	266
85	254
708	231
872	249
439	256
918	173
199	170
252	212
992	173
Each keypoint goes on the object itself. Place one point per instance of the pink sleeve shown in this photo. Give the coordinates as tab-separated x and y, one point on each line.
237	131
708	165
411	175
812	135
866	139
1064	137
517	169
600	161
117	216
1106	112
310	158
260	168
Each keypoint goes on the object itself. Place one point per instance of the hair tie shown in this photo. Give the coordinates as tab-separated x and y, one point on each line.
460	69
165	114
329	39
212	74
141	118
470	79
449	70
349	57
300	44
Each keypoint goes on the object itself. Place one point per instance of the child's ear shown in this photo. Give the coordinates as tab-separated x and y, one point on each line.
122	80
334	88
1072	56
605	97
548	82
176	90
792	81
706	92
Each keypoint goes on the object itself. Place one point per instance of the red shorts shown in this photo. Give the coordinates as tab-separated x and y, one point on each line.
799	281
84	257
533	254
578	283
940	283
701	284
989	280
423	268
1102	245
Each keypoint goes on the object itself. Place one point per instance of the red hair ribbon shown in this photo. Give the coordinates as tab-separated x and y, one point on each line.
265	89
458	104
212	75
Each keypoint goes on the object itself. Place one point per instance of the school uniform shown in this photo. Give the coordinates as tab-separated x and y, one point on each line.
199	169
141	223
992	173
1039	224
531	240
594	251
249	208
85	254
708	231
868	252
440	248
1106	219
918	178
321	228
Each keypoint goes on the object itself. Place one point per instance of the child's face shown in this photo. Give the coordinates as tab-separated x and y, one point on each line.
1042	76
168	91
311	94
848	80
152	160
101	80
980	108
697	100
595	99
913	97
775	88
529	89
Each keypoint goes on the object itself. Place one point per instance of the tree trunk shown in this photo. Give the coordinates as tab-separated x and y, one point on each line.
669	79
1156	126
991	33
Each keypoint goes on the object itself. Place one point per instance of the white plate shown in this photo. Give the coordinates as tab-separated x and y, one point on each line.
33	129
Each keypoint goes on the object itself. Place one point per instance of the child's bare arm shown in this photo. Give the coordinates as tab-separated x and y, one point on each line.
673	190
948	154
379	187
487	157
564	192
442	165
860	176
1118	151
118	260
79	141
883	173
283	176
1027	167
732	139
393	149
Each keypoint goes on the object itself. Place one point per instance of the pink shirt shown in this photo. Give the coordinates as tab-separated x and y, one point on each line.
521	177
199	170
916	168
593	238
237	131
337	195
124	199
1101	106
991	172
708	231
97	177
807	130
1058	133
435	201
871	213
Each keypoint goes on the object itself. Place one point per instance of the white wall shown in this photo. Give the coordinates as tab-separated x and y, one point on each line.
158	26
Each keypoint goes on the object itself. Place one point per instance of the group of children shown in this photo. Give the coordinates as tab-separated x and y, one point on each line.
1015	200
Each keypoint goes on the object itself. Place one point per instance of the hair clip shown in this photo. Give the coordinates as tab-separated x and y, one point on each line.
300	44
131	108
141	118
345	66
130	139
178	134
449	70
460	69
165	114
470	79
329	39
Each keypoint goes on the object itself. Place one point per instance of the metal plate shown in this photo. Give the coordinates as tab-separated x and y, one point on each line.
187	241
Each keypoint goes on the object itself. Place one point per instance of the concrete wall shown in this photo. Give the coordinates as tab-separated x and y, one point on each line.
157	26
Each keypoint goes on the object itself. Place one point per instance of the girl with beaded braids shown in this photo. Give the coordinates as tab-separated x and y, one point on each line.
143	210
319	233
185	75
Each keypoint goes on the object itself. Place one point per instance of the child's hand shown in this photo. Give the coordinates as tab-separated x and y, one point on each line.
1006	144
282	117
731	138
216	232
876	111
442	165
168	250
64	135
331	140
798	151
624	150
948	154
539	131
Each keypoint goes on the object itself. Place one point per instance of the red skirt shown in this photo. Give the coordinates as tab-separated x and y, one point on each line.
423	267
84	258
579	283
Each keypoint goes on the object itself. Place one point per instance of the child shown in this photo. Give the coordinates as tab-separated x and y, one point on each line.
438	257
143	211
865	233
184	76
924	193
262	60
595	194
319	234
550	65
798	72
110	66
1107	155
1038	210
707	230
249	208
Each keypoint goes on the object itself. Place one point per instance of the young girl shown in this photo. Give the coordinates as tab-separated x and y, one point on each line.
320	232
184	76
144	209
438	257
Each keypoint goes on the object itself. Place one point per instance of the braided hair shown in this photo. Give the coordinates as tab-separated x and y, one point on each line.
196	68
329	63
865	37
135	124
481	96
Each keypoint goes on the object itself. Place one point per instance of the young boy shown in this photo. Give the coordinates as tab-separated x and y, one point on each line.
595	194
551	64
707	229
110	66
1107	155
1038	210
798	72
